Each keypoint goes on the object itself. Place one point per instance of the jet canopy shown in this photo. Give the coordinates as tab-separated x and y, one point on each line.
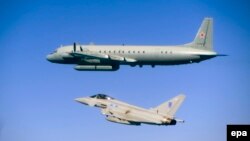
101	96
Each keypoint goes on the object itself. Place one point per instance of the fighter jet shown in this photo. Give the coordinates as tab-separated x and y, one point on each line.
110	57
124	113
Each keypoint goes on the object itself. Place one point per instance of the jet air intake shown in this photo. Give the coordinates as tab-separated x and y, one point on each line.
117	120
96	68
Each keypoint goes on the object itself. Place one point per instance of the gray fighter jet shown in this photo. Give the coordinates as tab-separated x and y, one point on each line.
121	112
110	57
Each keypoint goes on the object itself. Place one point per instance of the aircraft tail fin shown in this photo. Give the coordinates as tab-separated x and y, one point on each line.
204	37
171	106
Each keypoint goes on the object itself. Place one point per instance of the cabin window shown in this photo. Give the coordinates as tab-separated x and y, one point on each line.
122	51
109	51
143	51
104	51
128	51
133	51
138	51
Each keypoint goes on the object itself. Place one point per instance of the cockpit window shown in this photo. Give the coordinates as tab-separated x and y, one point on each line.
101	96
55	51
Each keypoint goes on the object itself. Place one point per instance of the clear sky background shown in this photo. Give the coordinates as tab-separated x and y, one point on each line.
37	97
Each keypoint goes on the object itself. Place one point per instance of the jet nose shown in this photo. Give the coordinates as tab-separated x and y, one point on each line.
82	100
78	99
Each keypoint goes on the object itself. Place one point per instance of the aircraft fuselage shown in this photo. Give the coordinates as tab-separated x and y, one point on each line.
110	57
143	55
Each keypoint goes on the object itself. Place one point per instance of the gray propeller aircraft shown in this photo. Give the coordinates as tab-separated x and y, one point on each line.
110	57
124	113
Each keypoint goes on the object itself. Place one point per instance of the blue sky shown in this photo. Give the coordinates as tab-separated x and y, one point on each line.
36	96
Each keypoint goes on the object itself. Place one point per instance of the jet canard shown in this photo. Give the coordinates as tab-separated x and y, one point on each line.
124	113
110	57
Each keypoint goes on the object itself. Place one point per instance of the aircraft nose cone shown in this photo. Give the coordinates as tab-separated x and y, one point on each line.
78	99
53	58
49	57
81	100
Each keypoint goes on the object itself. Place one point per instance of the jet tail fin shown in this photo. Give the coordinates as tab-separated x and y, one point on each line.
204	37
171	106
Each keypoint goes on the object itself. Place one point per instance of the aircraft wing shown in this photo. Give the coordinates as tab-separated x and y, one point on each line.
118	117
94	55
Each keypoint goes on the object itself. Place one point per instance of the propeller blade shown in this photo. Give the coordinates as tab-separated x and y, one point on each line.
74	47
81	48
